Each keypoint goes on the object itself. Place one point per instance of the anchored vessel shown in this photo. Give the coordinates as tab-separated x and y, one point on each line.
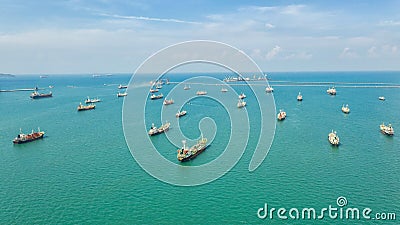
185	154
269	89
224	90
181	113
168	102
281	115
388	130
86	107
382	98
36	94
94	100
154	130
201	93
333	138
153	90
122	86
122	94
346	109
154	97
242	96
23	138
186	87
331	91
299	97
241	103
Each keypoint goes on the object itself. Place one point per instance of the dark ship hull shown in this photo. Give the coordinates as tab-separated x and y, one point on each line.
194	155
42	96
86	108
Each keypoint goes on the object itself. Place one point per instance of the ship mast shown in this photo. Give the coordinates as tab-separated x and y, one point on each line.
184	144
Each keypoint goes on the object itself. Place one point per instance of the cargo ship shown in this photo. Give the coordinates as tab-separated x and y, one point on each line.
23	138
201	93
333	138
93	100
154	130
181	113
122	94
241	103
269	89
299	97
86	107
185	154
331	91
154	97
281	115
388	130
346	109
35	94
153	90
168	102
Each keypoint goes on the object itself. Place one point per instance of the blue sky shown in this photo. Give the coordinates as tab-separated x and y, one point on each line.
82	36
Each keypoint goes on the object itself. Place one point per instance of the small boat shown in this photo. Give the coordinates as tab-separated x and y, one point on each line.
186	154
331	91
269	89
181	113
122	86
159	85
281	115
242	96
36	94
94	100
382	98
346	109
154	130
299	97
153	90
333	138
51	86
44	76
241	103
122	94
23	138
85	107
224	90
186	87
168	102
154	97
388	130
201	93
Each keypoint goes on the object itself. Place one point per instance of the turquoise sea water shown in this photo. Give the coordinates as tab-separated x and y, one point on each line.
83	172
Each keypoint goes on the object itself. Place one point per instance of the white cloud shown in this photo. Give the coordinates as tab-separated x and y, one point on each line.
261	9
285	9
150	18
389	49
273	52
292	9
348	53
373	52
389	23
269	26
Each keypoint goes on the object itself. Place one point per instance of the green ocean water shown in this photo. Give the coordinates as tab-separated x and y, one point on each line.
83	171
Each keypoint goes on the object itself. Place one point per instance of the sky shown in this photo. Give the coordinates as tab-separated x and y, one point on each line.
104	36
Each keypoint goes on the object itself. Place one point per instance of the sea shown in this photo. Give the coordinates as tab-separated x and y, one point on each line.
83	171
